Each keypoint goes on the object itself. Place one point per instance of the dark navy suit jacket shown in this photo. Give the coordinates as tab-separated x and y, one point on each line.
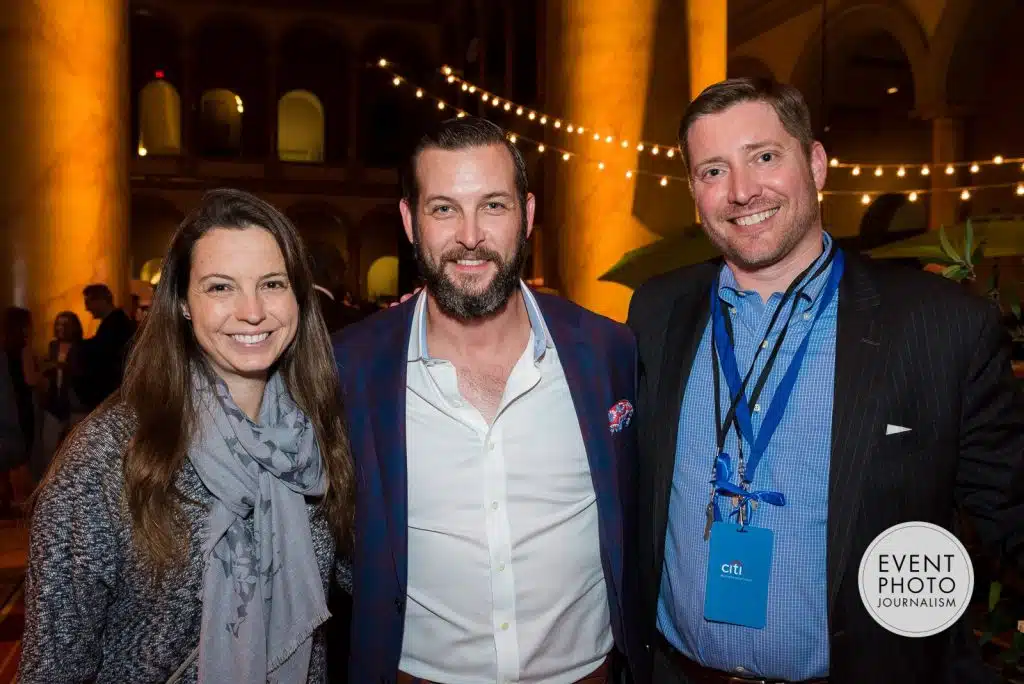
599	359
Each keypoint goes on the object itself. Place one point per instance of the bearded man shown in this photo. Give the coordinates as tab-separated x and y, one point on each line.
492	431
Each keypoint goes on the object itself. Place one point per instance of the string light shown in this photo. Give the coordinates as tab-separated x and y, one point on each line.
950	170
975	168
965	192
651	146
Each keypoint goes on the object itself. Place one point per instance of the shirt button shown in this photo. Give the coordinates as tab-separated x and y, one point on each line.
490	445
732	309
757	408
807	316
501	567
494	505
764	345
504	626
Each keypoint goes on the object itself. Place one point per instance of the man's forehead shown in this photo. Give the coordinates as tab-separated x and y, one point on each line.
479	169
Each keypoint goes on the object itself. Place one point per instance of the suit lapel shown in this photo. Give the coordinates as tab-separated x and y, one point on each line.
589	382
387	388
860	365
689	317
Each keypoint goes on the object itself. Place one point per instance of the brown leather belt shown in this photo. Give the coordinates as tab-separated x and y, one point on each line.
698	674
602	675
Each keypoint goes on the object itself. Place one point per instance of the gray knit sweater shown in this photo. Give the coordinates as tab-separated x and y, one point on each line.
90	613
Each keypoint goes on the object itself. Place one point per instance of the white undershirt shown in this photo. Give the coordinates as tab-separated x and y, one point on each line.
505	582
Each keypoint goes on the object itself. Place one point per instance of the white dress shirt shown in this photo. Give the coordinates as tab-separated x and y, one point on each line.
505	582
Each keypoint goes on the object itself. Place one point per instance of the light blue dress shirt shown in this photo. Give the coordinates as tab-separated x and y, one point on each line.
794	645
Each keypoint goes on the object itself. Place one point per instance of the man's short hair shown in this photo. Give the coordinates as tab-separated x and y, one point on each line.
786	100
98	291
461	134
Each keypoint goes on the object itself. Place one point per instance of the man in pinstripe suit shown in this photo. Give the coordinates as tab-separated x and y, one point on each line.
902	407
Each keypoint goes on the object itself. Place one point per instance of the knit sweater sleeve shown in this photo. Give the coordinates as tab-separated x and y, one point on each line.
74	556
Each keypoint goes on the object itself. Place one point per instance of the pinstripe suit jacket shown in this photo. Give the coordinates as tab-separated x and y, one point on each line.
599	360
912	349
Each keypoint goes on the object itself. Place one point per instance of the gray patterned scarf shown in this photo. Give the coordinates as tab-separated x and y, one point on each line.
262	592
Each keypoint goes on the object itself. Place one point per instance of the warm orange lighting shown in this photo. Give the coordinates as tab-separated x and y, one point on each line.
865	199
912	197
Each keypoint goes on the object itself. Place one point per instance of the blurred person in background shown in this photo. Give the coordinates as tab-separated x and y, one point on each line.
61	406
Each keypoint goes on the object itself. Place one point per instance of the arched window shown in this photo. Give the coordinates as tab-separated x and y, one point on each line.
220	123
382	278
300	127
159	119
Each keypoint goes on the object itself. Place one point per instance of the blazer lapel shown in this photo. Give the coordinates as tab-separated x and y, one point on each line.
689	317
387	401
860	365
589	383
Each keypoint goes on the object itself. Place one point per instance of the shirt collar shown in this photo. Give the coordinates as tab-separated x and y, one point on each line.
729	290
540	335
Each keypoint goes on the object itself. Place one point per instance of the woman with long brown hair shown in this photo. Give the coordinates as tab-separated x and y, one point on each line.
187	530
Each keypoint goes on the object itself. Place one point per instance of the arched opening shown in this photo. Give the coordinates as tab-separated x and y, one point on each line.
159	119
220	123
154	220
230	55
391	119
300	127
150	272
382	278
156	77
314	65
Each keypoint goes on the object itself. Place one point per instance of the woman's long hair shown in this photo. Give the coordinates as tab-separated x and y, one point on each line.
158	385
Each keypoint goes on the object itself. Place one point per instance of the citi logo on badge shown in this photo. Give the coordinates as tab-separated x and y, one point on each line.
734	568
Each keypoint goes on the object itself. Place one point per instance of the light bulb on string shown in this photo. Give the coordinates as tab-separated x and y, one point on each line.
912	197
975	168
600	166
543	120
465	87
382	63
654	150
998	159
531	116
507	106
965	195
664	181
878	171
397	81
640	147
558	124
901	172
512	138
925	170
821	196
856	171
834	162
597	136
565	156
625	144
608	139
451	79
447	70
629	174
540	148
419	92
485	97
671	153
865	199
472	89
440	105
950	170
570	128
1020	189
519	111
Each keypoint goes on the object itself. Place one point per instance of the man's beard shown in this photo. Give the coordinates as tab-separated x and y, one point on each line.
451	298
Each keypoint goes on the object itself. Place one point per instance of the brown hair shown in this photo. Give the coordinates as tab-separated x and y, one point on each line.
786	100
158	388
460	134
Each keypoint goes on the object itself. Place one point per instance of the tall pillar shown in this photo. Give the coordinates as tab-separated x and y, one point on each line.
947	146
64	132
603	78
707	40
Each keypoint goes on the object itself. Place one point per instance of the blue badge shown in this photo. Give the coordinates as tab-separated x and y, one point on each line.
739	569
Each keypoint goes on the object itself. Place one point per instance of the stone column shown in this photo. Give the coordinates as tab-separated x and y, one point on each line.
707	39
64	209
602	77
947	146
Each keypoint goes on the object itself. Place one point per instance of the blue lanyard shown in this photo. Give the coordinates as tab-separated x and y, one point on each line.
722	347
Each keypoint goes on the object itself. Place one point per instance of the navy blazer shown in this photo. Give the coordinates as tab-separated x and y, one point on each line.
599	359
